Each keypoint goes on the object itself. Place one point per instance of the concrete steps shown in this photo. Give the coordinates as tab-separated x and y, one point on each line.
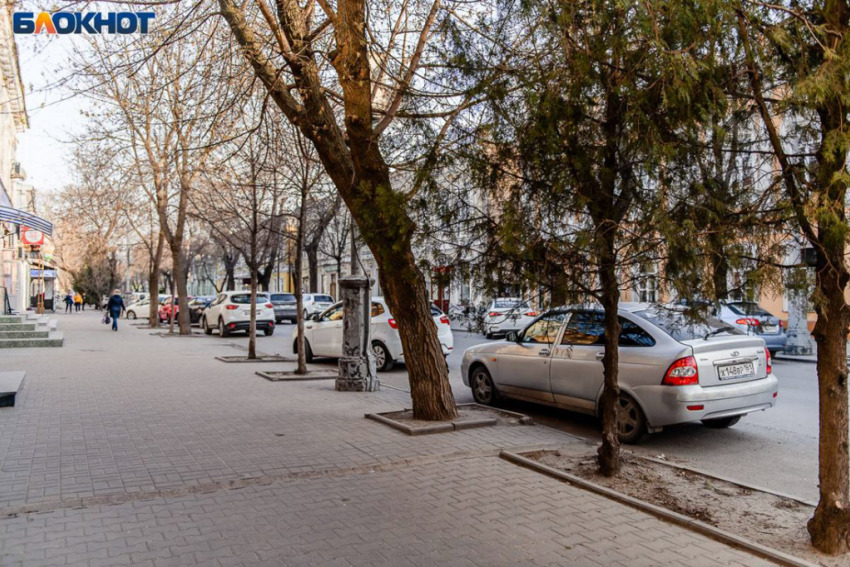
53	339
10	385
29	331
40	334
17	326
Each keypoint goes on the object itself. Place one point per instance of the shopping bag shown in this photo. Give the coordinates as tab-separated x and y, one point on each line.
106	320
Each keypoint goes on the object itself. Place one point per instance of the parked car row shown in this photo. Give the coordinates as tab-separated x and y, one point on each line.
323	334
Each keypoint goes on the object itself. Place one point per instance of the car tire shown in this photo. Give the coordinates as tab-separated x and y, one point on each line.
222	330
631	421
383	361
489	336
268	331
131	315
207	329
483	389
722	422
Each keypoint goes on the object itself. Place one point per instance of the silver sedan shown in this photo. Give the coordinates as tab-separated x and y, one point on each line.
672	369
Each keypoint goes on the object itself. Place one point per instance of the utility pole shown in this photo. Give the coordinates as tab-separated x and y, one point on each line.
357	366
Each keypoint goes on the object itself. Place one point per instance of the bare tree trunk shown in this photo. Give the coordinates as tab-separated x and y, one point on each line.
252	332
313	266
830	526
153	282
609	451
299	285
179	271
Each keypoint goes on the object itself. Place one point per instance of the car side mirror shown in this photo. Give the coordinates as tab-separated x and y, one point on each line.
315	317
513	337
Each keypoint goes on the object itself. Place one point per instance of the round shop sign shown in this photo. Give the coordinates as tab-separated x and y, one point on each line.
32	237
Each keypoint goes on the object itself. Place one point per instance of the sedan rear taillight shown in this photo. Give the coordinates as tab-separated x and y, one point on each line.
767	357
748	321
531	314
269	305
494	314
445	320
231	307
392	323
683	372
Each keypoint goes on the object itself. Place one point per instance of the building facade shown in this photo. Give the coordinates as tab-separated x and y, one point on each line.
14	269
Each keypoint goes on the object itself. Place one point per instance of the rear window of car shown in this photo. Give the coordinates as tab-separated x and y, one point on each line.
684	328
323	298
510	304
283	297
435	311
245	299
748	308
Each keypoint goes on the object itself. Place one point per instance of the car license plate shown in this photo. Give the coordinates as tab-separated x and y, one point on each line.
247	313
769	329
733	371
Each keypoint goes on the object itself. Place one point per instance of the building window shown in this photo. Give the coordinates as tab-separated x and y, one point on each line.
647	283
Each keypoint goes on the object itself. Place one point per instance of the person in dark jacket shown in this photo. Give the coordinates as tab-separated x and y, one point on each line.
116	308
69	303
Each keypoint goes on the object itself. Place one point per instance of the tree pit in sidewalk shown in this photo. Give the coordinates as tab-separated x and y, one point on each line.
258	358
470	416
293	376
768	519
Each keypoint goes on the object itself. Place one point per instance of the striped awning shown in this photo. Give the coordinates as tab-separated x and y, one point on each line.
15	216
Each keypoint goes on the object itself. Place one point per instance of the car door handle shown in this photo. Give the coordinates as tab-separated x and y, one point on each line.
544	352
600	355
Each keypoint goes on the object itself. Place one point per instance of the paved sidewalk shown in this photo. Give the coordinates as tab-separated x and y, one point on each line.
127	448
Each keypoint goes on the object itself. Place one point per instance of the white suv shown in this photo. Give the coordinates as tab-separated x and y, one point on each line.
323	334
231	311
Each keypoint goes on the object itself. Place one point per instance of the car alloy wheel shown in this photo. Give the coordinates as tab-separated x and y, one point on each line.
483	389
131	315
222	330
383	361
206	327
631	423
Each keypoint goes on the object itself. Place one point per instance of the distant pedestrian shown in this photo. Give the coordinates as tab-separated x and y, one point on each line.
78	301
69	303
84	302
116	308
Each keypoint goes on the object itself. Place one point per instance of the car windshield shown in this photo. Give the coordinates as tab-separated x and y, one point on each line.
510	304
748	308
683	328
245	299
279	297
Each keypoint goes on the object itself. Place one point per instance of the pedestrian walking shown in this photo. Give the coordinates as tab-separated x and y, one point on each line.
115	308
69	302
78	302
84	302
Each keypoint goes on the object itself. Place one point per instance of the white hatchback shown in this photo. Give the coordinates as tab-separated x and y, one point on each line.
323	334
506	314
231	311
139	310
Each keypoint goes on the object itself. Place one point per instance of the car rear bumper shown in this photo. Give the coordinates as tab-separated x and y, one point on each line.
246	325
288	313
775	342
447	350
669	405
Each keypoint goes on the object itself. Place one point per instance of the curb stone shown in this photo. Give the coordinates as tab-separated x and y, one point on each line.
679	519
729	480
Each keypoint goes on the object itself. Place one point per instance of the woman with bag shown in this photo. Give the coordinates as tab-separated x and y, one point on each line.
115	308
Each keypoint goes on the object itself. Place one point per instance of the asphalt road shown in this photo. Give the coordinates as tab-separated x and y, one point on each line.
775	449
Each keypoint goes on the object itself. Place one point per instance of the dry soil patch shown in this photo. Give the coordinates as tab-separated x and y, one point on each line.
764	518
